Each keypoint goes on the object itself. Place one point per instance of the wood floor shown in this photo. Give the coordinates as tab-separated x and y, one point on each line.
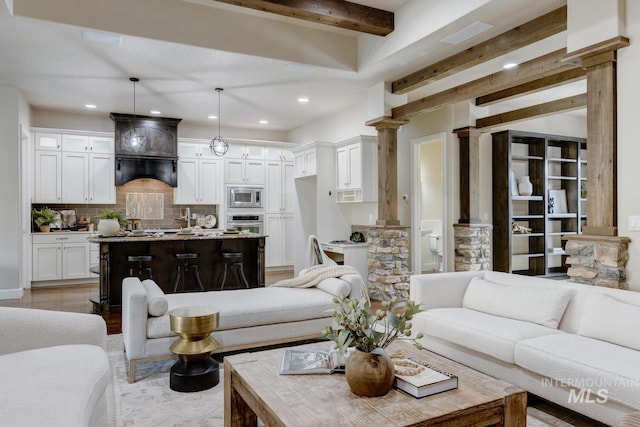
76	299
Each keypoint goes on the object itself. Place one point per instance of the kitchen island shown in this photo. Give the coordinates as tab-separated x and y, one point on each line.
114	266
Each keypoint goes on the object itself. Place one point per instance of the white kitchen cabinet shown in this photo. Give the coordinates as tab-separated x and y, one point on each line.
356	169
279	243
246	151
60	256
81	143
47	180
279	186
244	171
305	163
88	178
198	175
48	141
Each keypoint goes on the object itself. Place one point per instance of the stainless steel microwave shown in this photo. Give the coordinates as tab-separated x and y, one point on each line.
244	197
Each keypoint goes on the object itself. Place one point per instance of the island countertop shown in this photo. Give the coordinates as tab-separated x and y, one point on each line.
155	237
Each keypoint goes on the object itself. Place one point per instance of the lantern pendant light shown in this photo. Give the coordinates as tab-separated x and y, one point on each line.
134	141
219	146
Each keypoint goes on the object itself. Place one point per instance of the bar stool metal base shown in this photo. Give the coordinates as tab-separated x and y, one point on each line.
140	270
233	260
180	268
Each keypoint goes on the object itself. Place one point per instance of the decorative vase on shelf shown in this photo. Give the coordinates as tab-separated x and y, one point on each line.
513	184
525	188
369	374
108	227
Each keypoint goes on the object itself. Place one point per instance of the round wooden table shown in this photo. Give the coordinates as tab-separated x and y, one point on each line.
195	369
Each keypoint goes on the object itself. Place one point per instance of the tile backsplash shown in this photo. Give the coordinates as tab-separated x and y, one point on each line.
141	187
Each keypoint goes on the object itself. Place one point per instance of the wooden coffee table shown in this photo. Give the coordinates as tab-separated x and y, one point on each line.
253	388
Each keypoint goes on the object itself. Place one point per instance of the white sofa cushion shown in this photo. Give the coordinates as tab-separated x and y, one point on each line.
334	286
491	335
608	319
258	306
586	363
157	304
52	386
541	305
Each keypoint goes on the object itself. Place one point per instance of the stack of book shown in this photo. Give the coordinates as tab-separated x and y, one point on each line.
430	380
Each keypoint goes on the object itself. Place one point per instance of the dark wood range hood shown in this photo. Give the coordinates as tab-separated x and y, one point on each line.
156	157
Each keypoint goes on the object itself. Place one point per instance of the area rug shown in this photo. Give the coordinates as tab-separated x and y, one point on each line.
149	402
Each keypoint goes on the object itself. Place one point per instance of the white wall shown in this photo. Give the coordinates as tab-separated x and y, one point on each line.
10	193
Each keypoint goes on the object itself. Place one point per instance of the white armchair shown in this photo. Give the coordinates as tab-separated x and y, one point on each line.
54	368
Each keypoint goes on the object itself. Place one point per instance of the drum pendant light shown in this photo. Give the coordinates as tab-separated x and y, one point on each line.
133	140
219	145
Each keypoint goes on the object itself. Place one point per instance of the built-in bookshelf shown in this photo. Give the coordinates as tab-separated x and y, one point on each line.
528	229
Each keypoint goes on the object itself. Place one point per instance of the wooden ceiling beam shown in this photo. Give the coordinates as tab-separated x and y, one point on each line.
338	13
540	110
534	69
532	87
530	32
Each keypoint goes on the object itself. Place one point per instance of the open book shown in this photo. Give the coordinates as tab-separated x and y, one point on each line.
311	361
429	380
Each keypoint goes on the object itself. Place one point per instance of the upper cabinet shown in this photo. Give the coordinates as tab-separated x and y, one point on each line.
199	175
356	169
245	164
73	168
305	163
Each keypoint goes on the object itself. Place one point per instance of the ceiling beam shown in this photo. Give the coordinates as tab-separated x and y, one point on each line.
530	32
532	87
540	110
338	13
534	69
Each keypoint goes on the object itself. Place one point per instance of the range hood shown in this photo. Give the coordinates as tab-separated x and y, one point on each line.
156	157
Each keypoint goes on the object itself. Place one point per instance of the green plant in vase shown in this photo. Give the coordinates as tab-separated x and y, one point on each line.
109	222
369	369
42	218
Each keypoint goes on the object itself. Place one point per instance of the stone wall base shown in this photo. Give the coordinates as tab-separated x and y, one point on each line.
597	260
388	261
472	246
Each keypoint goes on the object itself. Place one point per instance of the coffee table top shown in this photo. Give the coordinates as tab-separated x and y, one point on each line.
325	399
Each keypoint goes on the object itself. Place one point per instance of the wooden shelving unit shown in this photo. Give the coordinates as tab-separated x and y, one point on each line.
552	163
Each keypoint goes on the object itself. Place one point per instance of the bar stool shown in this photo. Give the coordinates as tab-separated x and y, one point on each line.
140	269
180	268
233	260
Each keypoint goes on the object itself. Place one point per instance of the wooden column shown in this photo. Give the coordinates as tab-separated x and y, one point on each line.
469	161
602	193
387	169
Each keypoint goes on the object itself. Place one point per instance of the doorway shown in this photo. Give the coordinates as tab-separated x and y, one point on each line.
429	207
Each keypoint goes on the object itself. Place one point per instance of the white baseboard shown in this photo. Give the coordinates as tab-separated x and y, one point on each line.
11	293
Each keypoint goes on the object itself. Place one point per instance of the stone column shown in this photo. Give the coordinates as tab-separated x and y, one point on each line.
597	260
472	246
387	169
388	261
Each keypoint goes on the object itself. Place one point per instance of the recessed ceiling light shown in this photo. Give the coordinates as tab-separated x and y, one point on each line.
155	112
467	32
90	106
264	122
303	99
509	65
212	116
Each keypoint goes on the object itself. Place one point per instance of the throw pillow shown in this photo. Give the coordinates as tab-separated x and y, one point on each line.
608	319
542	305
334	286
157	304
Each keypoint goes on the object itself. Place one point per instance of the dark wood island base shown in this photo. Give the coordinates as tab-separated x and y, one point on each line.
114	266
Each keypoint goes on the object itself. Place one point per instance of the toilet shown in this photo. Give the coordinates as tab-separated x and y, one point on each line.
431	234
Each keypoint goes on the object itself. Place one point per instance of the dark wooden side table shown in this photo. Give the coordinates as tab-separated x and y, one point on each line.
195	369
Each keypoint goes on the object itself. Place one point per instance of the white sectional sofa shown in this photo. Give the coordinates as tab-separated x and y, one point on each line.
575	345
54	369
248	317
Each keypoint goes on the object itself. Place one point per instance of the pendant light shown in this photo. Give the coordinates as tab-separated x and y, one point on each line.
134	140
219	146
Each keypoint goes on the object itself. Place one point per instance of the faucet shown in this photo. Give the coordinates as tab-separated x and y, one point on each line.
187	213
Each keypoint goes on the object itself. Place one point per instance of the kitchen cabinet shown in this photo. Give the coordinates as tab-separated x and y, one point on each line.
60	256
279	186
305	163
244	171
356	169
199	175
73	168
279	245
246	151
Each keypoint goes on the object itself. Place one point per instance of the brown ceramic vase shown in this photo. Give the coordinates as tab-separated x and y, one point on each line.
369	374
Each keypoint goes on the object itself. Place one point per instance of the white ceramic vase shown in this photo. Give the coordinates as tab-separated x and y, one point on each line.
525	188
108	227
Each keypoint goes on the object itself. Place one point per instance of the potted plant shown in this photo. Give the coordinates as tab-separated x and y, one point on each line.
109	222
42	218
369	369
